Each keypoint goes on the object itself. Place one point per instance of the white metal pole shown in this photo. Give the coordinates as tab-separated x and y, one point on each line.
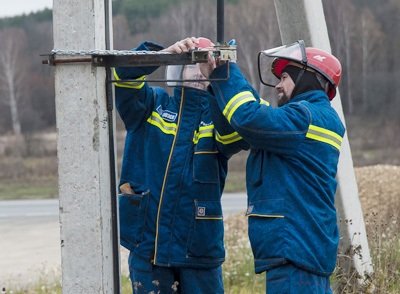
305	20
83	151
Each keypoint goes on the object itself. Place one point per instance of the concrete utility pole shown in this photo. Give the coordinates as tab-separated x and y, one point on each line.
305	20
83	126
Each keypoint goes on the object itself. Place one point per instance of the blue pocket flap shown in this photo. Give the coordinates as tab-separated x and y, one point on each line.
208	209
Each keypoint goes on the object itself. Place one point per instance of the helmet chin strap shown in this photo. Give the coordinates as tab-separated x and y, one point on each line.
324	83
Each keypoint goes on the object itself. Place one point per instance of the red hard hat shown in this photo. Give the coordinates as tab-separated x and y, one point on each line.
321	61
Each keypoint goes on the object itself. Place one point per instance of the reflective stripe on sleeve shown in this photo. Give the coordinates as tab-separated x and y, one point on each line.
262	101
228	139
134	85
324	135
203	132
168	128
235	102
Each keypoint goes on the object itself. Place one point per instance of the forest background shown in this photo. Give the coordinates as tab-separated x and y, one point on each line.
364	36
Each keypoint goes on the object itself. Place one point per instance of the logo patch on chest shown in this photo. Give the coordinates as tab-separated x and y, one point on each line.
166	114
203	124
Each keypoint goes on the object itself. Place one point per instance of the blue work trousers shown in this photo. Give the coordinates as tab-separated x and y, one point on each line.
159	278
289	279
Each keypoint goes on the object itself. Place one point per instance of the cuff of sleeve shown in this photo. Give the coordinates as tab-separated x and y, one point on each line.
221	71
149	46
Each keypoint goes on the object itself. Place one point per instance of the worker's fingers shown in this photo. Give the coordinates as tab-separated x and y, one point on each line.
195	40
182	46
190	43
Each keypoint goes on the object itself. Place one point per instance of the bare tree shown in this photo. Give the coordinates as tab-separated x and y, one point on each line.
121	34
373	47
254	25
12	72
195	18
341	19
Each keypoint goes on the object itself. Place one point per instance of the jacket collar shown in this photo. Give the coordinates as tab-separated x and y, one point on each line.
311	96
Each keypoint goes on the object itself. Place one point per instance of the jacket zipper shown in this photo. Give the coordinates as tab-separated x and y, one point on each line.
165	177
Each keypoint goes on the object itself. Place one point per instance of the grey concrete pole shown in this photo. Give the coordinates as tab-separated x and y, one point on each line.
305	20
83	151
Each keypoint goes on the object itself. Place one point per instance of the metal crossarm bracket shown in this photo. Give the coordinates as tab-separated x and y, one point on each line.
118	58
150	59
114	58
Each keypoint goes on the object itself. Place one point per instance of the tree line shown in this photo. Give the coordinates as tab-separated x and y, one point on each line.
363	35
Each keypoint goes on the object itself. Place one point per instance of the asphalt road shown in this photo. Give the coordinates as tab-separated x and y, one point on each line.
30	238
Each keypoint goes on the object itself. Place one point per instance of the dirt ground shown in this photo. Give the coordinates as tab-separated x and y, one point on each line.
379	191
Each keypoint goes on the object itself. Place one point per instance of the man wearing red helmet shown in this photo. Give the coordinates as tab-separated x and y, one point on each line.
172	177
292	164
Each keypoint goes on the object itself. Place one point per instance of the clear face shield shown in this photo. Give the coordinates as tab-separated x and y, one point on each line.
272	61
188	76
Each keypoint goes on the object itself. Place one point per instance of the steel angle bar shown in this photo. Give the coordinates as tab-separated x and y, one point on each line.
197	56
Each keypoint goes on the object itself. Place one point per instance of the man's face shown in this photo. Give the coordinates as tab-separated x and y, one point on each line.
285	89
192	72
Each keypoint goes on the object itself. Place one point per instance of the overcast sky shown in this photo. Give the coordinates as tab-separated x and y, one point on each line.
18	7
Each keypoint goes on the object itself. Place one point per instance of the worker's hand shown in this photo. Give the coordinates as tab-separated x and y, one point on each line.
207	68
182	46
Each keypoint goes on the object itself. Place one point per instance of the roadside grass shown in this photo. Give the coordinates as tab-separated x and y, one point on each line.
28	178
48	282
238	268
235	182
32	188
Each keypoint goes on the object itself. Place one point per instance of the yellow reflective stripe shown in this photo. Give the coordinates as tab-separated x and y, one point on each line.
262	215
206	152
207	131
168	128
205	128
237	101
324	135
133	85
262	101
228	139
199	217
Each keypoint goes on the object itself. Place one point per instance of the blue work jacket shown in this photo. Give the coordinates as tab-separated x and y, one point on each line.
175	169
291	170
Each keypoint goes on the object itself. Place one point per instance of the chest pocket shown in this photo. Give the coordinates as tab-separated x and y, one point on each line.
205	161
205	167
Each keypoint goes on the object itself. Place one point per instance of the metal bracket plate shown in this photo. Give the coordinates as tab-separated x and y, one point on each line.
197	56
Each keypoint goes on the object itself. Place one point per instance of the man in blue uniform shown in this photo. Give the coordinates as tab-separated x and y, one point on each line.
292	164
173	174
